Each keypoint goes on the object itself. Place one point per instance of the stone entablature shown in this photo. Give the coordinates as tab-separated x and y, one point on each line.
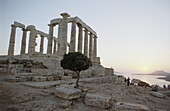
58	44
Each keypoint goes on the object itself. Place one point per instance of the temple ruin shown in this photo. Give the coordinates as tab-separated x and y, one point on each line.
49	62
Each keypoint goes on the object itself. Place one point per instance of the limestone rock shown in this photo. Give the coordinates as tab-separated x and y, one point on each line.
65	104
39	78
66	77
157	94
68	93
123	106
98	100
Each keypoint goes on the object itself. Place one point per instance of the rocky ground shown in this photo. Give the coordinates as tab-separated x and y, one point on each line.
14	96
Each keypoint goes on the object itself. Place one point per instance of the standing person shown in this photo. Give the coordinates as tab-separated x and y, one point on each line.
128	81
125	79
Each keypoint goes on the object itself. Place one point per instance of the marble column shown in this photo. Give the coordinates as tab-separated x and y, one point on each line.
86	42
50	39
54	49
32	38
80	36
91	46
59	38
12	41
63	40
42	44
73	37
95	48
23	46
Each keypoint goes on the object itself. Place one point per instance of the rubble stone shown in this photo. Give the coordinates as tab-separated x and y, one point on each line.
68	93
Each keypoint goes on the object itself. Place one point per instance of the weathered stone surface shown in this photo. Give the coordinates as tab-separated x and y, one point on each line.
50	78
15	79
67	93
157	94
131	107
98	100
65	104
11	66
20	70
66	77
39	78
3	70
25	74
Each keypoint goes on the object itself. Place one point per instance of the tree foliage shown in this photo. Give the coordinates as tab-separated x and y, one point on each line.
77	62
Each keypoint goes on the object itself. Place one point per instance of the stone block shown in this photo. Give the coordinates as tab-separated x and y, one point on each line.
123	106
11	66
68	93
3	70
157	94
66	77
25	74
50	78
65	104
98	100
39	78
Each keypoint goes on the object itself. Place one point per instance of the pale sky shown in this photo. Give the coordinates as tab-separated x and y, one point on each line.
133	35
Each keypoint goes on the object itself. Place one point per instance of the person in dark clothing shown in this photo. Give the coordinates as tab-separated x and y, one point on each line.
125	80
128	81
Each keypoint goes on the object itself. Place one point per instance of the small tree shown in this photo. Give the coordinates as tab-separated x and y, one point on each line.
77	62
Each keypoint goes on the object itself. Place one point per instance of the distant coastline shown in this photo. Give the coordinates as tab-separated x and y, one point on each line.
167	78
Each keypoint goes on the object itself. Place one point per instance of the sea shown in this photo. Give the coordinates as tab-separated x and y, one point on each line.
151	79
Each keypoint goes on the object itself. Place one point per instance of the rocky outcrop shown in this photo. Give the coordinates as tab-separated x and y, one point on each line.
68	93
98	100
142	83
157	94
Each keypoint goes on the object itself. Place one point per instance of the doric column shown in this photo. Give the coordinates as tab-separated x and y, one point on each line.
12	41
42	44
95	48
59	38
73	37
54	49
80	36
91	46
86	42
32	37
23	46
50	39
63	40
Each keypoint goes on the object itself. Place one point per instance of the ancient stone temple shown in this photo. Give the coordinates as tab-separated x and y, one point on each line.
48	63
58	44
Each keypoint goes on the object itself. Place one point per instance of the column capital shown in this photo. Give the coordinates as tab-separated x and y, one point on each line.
65	15
95	36
24	29
79	25
13	26
51	25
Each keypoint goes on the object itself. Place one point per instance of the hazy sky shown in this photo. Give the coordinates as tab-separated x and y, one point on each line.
133	35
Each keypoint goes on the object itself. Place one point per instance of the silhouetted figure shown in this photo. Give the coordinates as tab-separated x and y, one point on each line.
164	86
125	80
128	81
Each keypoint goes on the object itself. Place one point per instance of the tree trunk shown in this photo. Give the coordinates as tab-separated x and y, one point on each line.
78	77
